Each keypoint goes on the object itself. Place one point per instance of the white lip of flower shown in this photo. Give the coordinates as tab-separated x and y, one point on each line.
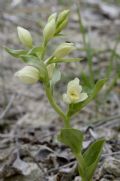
74	92
28	74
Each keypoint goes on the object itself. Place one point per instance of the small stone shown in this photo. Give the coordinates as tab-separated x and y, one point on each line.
112	166
34	174
104	179
77	178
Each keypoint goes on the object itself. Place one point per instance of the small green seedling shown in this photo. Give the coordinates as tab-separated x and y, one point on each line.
46	70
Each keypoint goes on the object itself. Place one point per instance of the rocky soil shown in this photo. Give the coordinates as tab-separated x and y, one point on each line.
29	150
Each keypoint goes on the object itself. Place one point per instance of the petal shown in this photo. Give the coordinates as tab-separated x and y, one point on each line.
28	75
83	96
77	80
74	84
74	88
66	99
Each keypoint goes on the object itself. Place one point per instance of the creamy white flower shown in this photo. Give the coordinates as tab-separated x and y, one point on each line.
49	30
74	92
50	69
63	50
28	75
62	21
24	36
52	16
63	16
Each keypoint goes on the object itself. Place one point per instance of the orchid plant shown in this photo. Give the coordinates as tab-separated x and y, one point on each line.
46	70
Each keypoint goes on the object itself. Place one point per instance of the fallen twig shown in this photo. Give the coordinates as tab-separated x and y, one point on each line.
7	107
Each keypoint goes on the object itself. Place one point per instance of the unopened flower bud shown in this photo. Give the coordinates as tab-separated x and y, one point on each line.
61	26
63	16
49	30
28	75
74	92
50	69
24	36
63	50
52	16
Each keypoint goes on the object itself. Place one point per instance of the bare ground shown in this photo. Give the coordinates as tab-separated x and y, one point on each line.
29	149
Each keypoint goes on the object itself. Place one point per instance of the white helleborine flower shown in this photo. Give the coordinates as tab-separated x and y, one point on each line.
49	30
52	16
63	50
74	92
50	69
61	26
62	20
28	74
24	36
63	16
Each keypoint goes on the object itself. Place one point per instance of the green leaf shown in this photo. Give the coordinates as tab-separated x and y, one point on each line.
72	138
59	35
24	54
74	108
29	58
56	76
16	53
65	60
91	157
85	82
36	51
43	71
81	165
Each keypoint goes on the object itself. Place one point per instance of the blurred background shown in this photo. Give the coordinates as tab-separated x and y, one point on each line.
28	124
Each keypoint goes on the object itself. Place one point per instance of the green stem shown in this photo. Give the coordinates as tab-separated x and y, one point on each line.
43	53
55	106
89	51
50	94
113	54
44	45
84	179
81	166
80	160
67	122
